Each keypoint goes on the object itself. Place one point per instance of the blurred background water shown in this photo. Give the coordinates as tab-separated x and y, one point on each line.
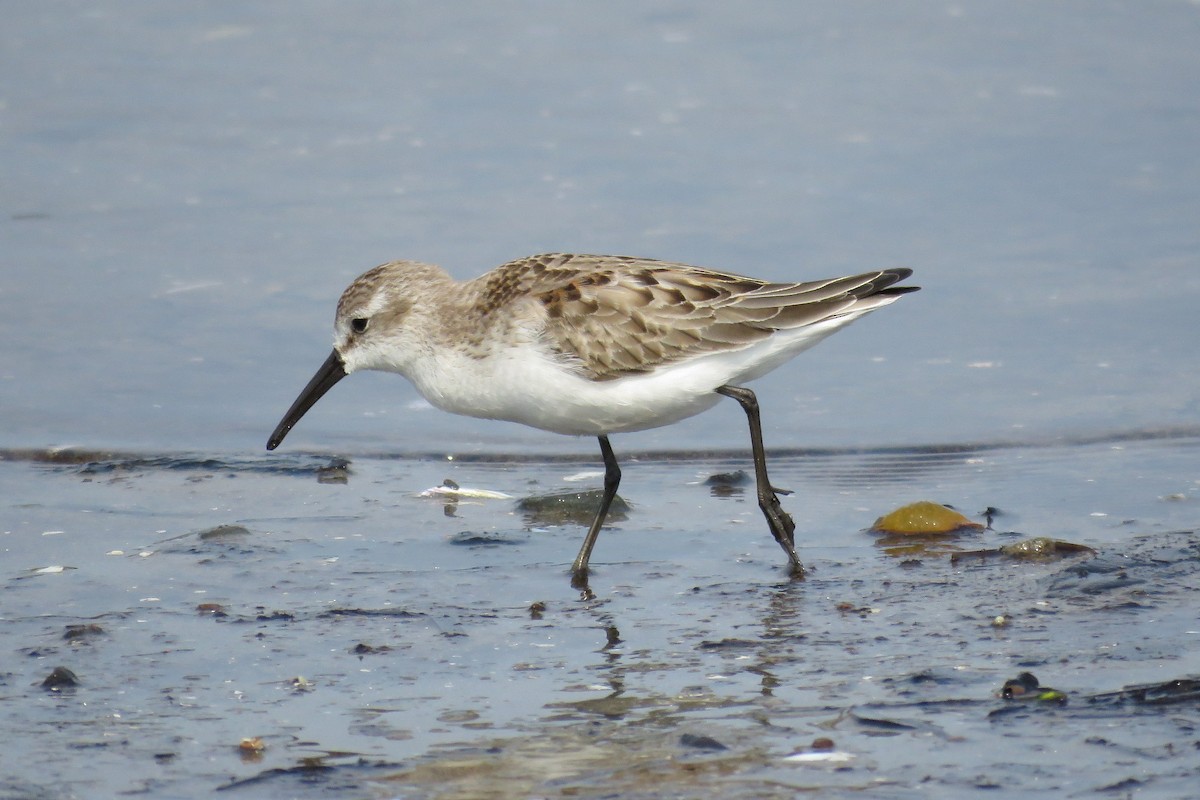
187	189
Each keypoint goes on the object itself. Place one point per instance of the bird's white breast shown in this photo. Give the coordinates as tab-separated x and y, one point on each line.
527	384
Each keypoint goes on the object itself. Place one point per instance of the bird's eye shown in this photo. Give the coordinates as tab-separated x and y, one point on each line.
359	324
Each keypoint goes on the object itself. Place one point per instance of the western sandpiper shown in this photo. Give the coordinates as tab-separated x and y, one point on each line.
589	345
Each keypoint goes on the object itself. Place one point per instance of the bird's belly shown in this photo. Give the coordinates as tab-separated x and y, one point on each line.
536	391
530	386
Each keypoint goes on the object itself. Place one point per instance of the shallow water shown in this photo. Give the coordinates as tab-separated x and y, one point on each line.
187	192
426	671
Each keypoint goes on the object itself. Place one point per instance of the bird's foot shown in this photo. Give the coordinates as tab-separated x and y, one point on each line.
579	580
783	528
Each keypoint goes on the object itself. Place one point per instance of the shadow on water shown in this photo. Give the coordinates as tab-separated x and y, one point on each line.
306	625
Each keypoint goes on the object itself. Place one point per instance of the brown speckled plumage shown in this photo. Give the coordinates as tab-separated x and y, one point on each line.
615	315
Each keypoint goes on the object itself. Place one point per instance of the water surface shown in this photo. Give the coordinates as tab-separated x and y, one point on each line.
383	644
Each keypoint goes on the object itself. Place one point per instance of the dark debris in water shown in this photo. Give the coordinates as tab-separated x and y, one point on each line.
700	742
261	614
729	644
82	632
919	682
1028	689
485	539
389	613
727	484
881	724
612	637
343	778
736	478
1037	547
1179	691
223	533
560	508
337	471
60	678
225	538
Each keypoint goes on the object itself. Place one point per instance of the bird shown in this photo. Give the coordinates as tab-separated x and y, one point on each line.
590	345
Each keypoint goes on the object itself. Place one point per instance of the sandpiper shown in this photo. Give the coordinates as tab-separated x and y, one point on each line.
590	345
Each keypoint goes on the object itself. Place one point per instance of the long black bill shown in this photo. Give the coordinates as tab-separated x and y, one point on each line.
332	371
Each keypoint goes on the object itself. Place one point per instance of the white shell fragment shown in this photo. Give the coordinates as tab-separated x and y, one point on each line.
465	492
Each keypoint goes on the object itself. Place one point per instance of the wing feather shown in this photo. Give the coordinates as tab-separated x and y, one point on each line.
615	315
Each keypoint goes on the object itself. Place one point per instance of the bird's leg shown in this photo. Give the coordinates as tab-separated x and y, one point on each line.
612	479
780	522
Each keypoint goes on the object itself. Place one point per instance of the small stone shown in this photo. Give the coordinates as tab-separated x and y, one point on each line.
60	678
75	633
701	742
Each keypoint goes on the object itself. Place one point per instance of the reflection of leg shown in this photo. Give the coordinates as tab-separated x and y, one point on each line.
780	522
612	479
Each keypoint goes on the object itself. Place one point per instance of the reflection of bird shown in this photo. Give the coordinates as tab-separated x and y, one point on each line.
590	345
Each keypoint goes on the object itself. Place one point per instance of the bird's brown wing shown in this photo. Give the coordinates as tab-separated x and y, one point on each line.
615	315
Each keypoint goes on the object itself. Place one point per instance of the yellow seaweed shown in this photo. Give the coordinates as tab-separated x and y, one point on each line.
923	517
